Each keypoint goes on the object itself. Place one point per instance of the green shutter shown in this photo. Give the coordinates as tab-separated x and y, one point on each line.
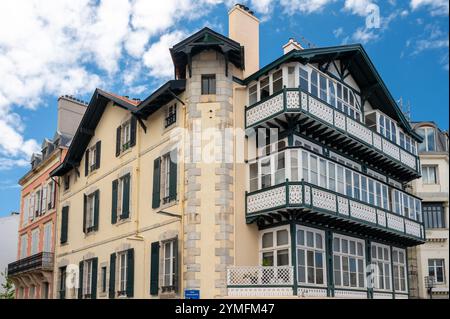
112	276
94	278
118	141
126	197
173	176
98	149
96	208
130	272
133	131
84	212
156	182
175	266
80	280
86	163
115	184
64	224
154	268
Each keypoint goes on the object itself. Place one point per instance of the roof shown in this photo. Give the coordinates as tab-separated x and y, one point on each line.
356	60
205	39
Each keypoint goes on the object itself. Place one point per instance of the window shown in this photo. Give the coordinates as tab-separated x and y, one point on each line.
90	212
23	245
294	165
313	177
34	241
253	167
314	83
399	265
310	256
332	176
275	248
323	88
103	274
37	202
348	262
51	191
122	273
280	172
304	79
381	259
429	175
428	144
66	181
62	282
252	94
48	237
87	279
92	158
266	173
277	81
169	265
125	136
264	90
433	215
123	196
291	77
208	84
171	115
165	180
437	270
25	209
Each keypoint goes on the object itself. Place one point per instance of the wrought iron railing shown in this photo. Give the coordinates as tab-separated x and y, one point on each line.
42	261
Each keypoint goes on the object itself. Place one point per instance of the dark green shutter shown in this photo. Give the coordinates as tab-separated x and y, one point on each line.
175	266
84	212
86	163
156	182
130	272
80	280
64	224
112	276
96	208
94	278
115	184
118	141
173	176
126	197
98	149
154	268
133	131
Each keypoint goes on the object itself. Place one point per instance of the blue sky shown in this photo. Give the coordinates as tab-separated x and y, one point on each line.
72	47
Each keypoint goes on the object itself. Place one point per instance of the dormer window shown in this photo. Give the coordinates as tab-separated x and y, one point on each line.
429	140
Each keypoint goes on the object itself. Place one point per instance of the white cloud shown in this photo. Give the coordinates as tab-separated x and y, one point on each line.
305	6
436	7
364	35
338	32
358	7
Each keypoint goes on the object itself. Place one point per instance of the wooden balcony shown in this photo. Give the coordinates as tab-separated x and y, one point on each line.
334	128
306	202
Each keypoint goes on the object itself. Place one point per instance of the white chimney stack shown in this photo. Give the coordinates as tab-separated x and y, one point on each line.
292	45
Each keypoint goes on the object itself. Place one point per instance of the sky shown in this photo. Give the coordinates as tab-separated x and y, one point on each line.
50	48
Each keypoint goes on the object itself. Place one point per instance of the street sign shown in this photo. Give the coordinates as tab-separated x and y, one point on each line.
192	294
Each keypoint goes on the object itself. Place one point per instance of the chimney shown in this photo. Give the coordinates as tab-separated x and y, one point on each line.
292	45
70	112
243	27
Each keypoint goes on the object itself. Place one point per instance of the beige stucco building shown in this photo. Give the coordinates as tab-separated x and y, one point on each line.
180	191
431	259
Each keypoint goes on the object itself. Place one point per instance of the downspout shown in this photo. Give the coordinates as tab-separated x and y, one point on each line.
182	197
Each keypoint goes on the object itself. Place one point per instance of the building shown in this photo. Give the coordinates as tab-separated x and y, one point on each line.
235	180
32	272
431	259
9	225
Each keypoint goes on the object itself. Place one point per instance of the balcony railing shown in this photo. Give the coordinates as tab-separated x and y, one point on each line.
298	195
296	100
39	261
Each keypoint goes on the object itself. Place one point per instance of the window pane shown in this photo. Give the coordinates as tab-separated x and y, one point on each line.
277	81
314	84
318	241
430	140
267	240
282	237
264	88
310	239
267	259
283	257
300	237
304	79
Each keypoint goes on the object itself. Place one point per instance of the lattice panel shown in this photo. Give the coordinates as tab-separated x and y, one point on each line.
307	195
339	120
391	149
259	275
408	159
266	199
324	200
412	228
260	292
377	141
311	292
265	110
295	194
320	110
363	212
350	294
359	131
395	222
304	101
382	295
381	218
292	100
343	206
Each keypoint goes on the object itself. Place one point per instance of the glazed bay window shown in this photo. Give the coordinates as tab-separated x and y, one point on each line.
437	270
399	266
275	248
348	262
208	84
407	142
433	215
122	257
304	79
429	139
387	127
277	81
429	174
169	265
171	115
310	256
91	211
381	260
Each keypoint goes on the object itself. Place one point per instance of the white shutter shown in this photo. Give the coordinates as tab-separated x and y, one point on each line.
25	209
44	199
23	246
31	211
48	237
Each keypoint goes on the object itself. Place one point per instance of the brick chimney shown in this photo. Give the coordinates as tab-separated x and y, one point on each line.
292	45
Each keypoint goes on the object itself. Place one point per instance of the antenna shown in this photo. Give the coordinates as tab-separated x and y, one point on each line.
308	43
406	109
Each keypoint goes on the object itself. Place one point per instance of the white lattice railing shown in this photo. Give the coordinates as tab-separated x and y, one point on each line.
412	228
260	276
295	100
267	199
395	222
363	212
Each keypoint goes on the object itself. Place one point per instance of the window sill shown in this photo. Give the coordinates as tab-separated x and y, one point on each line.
167	129
92	173
121	221
168	205
123	153
90	233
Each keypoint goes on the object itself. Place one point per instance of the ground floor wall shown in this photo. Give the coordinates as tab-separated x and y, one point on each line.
33	285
